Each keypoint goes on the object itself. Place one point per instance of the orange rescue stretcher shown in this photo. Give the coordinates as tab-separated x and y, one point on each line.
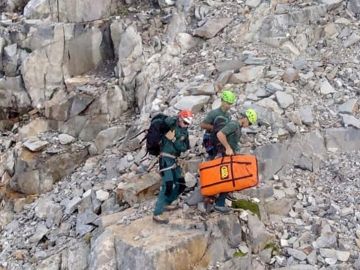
228	173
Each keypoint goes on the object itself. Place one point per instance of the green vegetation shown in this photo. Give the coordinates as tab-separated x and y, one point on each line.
247	205
239	254
275	250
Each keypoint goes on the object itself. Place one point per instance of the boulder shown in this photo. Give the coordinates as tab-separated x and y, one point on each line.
138	188
212	27
145	245
68	11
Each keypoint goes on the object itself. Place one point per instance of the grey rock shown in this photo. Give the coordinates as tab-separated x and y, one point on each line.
354	7
94	126
102	195
231	230
82	229
14	96
332	4
297	254
350	120
223	78
138	189
279	207
110	206
195	197
312	258
229	65
326	241
326	88
290	75
212	27
108	137
252	3
354	38
247	74
259	237
297	267
270	104
40	232
72	205
244	263
193	103
10	60
342	139
133	251
265	255
186	41
84	222
51	263
273	87
68	11
77	256
35	144
304	163
43	207
203	89
291	128
263	93
349	107
79	103
306	115
103	254
253	60
66	139
284	99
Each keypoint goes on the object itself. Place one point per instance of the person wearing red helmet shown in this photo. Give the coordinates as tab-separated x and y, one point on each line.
175	141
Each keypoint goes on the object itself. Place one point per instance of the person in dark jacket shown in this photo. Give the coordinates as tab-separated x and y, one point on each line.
228	99
172	145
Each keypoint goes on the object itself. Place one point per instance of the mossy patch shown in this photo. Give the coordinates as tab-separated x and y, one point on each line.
87	238
239	254
123	11
247	205
275	250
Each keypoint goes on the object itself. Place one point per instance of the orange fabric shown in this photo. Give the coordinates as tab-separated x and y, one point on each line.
227	174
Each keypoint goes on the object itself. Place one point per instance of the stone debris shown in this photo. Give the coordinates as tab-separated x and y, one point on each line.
77	189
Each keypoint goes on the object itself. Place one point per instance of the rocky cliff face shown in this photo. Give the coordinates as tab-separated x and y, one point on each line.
79	79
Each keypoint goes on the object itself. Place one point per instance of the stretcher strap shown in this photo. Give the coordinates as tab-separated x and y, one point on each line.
231	180
229	162
232	171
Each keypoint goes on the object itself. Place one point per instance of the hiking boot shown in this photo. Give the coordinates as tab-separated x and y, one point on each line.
161	219
172	207
222	209
231	197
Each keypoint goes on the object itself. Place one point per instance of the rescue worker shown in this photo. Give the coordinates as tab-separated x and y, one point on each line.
229	137
172	145
228	99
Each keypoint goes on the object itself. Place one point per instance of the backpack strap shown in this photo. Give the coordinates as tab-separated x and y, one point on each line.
163	154
138	134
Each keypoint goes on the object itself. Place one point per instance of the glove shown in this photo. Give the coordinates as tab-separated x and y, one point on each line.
168	188
170	135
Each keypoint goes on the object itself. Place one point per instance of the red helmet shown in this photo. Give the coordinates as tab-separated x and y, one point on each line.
186	116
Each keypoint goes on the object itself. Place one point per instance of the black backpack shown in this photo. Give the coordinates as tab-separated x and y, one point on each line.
158	128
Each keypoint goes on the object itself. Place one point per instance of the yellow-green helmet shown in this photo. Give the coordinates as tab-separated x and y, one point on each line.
228	96
251	115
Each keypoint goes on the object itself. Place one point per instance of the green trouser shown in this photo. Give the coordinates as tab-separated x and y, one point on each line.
172	184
